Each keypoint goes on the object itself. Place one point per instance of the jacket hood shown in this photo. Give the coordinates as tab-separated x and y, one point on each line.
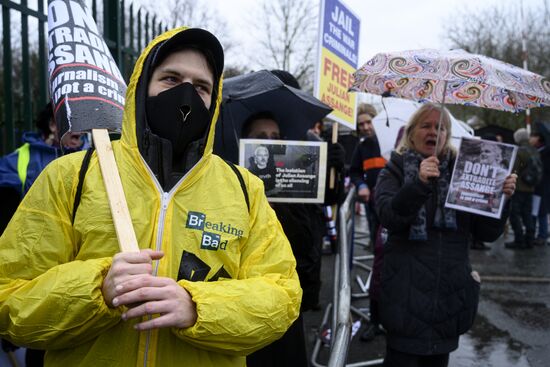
33	138
135	132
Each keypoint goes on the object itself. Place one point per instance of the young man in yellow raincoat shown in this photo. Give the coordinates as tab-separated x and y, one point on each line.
215	279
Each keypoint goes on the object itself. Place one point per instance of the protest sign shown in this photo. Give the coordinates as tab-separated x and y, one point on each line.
86	87
478	176
339	30
87	92
292	171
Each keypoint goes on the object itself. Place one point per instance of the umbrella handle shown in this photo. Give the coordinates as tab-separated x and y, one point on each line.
440	118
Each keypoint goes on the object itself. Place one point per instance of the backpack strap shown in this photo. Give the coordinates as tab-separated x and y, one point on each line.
81	176
241	181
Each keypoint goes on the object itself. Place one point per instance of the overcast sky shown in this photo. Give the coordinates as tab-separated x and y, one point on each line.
386	25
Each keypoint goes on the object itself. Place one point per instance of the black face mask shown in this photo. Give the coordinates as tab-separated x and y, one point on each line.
179	116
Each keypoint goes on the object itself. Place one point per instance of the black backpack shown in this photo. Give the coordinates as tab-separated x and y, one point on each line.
532	172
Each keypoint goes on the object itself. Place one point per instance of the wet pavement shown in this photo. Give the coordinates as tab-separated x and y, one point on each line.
512	328
513	323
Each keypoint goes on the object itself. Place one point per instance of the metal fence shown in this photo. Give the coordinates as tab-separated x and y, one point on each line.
338	314
339	309
341	319
126	28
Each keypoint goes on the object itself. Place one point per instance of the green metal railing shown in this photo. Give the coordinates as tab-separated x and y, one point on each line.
23	73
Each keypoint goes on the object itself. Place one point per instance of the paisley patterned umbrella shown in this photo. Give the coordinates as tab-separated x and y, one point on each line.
452	77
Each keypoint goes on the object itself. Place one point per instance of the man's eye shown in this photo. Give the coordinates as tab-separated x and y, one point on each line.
202	88
170	79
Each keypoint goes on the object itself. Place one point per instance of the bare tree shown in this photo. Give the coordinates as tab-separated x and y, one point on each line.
234	70
188	12
192	13
288	38
497	32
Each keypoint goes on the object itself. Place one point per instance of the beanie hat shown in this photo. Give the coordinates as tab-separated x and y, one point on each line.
521	135
205	41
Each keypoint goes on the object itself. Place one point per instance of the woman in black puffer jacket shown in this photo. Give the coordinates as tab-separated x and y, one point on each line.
429	292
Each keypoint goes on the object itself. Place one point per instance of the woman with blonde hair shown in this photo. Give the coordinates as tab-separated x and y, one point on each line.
429	293
420	116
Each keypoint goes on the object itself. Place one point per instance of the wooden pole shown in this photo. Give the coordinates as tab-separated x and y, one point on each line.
332	169
12	358
113	185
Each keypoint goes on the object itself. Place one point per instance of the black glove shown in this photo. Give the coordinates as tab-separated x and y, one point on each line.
336	156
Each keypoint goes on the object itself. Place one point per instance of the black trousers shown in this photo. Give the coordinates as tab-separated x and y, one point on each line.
521	216
289	351
372	219
395	358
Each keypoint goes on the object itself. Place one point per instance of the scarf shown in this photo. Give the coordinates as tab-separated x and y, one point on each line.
444	217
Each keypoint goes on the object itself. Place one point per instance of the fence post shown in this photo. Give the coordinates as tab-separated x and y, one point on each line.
26	80
111	28
42	59
8	98
122	38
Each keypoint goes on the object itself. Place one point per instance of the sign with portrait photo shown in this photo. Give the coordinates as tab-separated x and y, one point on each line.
292	171
478	176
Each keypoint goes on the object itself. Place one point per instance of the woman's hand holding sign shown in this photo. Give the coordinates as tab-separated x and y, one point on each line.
429	168
509	185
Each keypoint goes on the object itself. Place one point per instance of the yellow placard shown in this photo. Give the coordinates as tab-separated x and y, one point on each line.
335	78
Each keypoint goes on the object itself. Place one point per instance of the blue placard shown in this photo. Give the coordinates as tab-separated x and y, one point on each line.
341	31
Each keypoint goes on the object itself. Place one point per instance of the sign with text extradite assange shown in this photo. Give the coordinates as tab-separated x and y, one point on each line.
338	59
86	88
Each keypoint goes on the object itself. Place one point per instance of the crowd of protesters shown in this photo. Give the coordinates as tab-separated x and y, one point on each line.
67	290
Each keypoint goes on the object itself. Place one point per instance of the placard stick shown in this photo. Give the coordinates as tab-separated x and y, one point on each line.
113	185
13	359
334	140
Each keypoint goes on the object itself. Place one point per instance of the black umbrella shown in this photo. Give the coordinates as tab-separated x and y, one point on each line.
295	110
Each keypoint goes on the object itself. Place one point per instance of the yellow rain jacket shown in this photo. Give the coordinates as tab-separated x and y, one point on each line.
236	263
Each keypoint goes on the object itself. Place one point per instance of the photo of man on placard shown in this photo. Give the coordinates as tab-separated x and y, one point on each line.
262	165
292	171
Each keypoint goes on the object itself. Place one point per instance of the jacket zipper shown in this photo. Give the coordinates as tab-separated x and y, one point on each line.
438	277
165	199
